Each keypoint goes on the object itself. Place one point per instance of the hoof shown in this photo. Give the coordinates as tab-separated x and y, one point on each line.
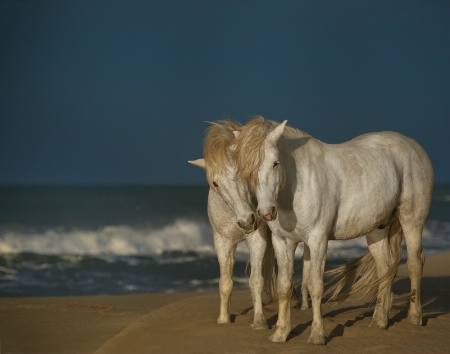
278	338
415	320
259	325
378	323
223	320
316	339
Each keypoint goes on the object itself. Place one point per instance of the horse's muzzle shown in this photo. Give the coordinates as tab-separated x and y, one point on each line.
249	225
270	215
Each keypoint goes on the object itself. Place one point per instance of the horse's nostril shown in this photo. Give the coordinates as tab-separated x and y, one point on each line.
241	224
259	213
273	211
252	219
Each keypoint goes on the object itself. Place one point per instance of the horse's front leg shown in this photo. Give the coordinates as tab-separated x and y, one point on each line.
284	252
257	245
318	249
225	254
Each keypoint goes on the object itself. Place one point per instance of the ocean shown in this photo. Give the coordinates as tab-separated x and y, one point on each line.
57	240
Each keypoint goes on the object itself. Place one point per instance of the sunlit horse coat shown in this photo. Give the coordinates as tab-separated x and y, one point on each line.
313	192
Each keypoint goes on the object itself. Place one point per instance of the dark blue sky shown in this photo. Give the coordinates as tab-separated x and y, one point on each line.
118	92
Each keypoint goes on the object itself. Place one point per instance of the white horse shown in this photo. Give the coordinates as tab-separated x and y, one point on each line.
227	199
314	192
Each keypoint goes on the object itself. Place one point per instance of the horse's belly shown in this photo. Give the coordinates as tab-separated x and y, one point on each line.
351	231
359	224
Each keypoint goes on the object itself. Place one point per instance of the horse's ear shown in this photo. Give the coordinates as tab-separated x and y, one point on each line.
275	134
199	163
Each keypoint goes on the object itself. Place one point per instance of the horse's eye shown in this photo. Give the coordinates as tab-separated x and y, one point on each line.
276	163
215	184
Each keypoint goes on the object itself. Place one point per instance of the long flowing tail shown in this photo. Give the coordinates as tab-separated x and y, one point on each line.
268	271
360	275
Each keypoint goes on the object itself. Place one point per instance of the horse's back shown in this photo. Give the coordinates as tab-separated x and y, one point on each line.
406	153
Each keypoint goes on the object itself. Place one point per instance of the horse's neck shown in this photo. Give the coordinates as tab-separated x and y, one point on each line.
302	164
303	152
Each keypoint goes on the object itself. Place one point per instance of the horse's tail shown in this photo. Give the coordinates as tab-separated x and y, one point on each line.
268	271
360	275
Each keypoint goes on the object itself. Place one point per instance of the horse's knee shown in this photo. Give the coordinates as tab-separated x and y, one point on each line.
225	285
256	281
316	290
284	290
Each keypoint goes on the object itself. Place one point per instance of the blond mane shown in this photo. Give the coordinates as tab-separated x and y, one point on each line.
217	149
249	152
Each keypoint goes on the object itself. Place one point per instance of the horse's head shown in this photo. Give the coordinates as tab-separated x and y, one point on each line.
269	175
220	165
257	161
235	193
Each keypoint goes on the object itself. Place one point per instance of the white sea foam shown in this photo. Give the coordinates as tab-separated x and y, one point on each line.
181	235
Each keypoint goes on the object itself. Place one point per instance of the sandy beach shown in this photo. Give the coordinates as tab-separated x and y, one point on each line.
186	323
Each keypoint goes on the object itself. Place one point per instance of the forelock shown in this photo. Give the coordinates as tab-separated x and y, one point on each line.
249	151
217	149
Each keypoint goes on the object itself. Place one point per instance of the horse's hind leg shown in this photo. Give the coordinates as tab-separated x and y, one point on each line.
257	245
225	249
303	302
318	251
378	243
415	262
